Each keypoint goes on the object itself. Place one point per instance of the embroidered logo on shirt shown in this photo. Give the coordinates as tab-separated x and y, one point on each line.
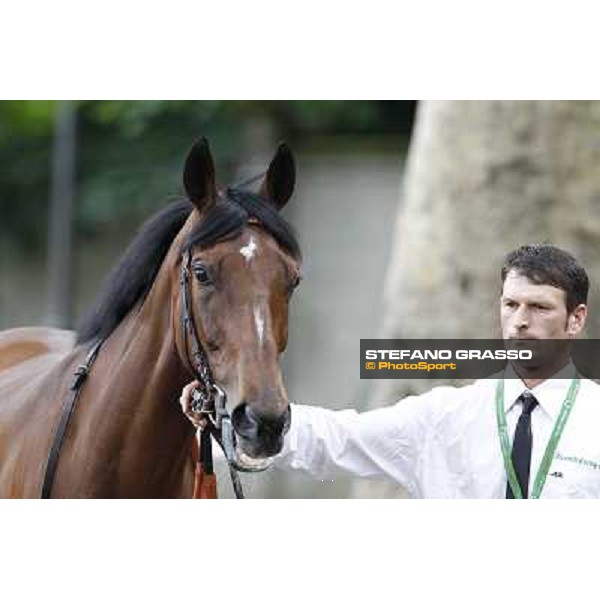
578	460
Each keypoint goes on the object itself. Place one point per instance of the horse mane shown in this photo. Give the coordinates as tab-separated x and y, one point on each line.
130	280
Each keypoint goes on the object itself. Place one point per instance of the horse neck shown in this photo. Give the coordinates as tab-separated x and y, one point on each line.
136	416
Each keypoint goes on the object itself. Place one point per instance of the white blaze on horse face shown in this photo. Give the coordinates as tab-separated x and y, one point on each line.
259	320
249	250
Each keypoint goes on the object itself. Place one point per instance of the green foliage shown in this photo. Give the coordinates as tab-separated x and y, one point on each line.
27	117
130	152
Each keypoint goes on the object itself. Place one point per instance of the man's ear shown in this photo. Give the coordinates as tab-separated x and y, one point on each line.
576	320
199	175
280	179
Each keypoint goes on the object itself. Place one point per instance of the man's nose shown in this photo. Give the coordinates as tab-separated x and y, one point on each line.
522	319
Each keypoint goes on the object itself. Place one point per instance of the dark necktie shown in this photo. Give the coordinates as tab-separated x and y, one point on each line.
521	450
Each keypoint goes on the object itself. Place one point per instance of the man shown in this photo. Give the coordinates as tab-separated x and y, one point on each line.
527	436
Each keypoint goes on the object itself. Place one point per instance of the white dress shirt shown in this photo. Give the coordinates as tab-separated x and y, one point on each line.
445	444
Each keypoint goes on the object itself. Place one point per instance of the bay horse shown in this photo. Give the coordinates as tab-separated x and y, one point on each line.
127	436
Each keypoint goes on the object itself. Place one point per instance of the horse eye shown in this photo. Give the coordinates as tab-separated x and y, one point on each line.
202	274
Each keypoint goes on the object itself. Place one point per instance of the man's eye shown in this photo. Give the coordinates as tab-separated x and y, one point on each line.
202	274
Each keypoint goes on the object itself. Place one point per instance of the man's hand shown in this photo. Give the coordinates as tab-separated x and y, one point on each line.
185	400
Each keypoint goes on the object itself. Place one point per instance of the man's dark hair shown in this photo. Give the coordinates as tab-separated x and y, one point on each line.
549	265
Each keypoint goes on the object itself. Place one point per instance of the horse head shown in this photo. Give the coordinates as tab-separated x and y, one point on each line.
243	262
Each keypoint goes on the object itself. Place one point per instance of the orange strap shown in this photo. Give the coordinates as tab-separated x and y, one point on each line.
205	484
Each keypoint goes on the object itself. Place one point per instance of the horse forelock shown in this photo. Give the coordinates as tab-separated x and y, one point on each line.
232	212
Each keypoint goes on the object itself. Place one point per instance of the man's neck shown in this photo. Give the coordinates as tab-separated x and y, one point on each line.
534	377
531	383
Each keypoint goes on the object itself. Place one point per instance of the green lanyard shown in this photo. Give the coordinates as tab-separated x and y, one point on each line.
540	478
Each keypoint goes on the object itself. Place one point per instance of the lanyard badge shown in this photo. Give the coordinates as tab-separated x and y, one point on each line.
559	426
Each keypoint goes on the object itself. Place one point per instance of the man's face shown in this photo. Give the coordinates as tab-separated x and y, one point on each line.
537	311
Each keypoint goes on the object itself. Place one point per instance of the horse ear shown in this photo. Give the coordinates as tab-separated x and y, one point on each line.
199	175
280	178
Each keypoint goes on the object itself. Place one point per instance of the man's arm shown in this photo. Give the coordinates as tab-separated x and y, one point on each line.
386	442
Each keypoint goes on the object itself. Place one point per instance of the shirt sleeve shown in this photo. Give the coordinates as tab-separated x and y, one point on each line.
380	443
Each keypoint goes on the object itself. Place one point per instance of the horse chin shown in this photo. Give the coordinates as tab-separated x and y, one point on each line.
248	463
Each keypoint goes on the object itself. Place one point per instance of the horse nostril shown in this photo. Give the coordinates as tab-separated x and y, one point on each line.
270	425
244	423
251	424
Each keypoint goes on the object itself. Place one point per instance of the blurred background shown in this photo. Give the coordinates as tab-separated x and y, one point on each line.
404	211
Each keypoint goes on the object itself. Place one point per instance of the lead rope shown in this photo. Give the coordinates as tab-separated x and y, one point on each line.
205	465
205	480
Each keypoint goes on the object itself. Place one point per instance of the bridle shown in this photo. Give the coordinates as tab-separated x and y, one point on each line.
209	400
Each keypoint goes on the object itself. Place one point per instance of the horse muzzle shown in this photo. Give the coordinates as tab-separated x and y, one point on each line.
258	437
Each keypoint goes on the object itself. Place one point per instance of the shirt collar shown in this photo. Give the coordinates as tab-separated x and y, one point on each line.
550	394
